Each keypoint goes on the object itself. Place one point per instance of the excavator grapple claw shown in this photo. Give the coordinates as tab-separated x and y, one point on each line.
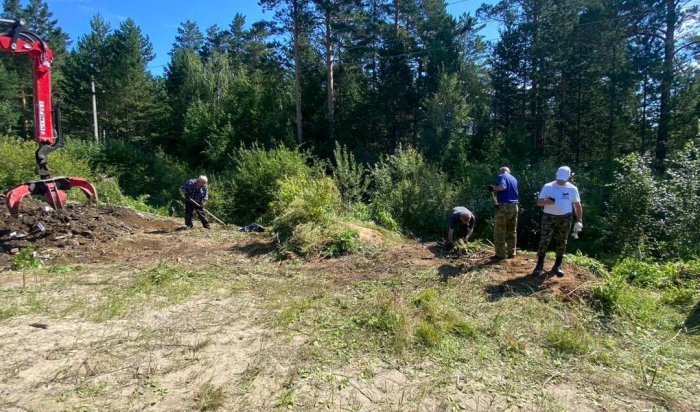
47	122
52	190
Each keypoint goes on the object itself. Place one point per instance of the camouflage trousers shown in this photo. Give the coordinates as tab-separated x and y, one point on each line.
557	228
505	230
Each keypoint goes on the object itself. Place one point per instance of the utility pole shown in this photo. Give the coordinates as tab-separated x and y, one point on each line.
94	110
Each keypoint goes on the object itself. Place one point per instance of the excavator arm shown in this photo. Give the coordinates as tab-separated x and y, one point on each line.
20	41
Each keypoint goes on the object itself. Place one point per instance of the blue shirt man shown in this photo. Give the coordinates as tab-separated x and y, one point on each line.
506	225
506	188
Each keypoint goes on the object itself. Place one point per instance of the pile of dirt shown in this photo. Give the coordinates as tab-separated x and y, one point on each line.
74	227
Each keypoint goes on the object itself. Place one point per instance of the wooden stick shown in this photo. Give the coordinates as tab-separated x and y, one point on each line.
210	213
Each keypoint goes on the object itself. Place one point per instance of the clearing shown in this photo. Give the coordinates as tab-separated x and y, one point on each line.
129	312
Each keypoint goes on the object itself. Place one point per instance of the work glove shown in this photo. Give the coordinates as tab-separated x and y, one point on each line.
491	188
578	227
449	246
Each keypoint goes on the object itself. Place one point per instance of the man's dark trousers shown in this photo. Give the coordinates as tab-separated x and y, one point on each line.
189	208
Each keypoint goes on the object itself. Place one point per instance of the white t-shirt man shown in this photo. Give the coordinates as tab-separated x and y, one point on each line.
564	197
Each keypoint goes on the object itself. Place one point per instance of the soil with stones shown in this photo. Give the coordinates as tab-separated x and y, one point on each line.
77	227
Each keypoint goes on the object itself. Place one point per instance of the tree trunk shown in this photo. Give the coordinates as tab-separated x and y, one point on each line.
297	70
25	119
643	126
397	14
579	101
611	109
666	83
329	69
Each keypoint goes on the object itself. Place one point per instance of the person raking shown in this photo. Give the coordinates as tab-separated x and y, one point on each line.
196	196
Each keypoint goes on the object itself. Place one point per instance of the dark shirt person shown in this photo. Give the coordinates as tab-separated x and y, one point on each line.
196	195
460	220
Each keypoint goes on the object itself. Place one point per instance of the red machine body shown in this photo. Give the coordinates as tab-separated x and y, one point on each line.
18	40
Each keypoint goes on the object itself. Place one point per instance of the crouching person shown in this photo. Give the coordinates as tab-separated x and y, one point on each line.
460	221
560	199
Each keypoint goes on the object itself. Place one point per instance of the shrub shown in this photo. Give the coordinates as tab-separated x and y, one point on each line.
301	200
349	175
141	171
412	192
26	259
307	217
656	215
18	164
255	181
643	274
593	265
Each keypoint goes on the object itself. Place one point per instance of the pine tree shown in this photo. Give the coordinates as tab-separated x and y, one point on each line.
88	62
188	37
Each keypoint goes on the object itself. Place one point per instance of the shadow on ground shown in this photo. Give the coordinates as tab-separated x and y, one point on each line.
448	271
522	286
693	321
255	247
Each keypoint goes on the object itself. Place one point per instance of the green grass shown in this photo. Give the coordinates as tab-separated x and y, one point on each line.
409	318
111	296
449	337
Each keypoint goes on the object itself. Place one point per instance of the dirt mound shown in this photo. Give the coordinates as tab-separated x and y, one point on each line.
71	228
371	236
513	277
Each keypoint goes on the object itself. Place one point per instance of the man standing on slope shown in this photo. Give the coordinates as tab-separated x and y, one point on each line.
462	220
559	199
196	196
506	225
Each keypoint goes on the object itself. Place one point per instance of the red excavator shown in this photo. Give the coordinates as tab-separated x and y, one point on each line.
18	40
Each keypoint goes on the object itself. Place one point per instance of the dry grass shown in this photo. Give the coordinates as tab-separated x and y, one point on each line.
387	332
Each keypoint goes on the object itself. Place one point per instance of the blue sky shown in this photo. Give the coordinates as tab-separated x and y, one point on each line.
159	19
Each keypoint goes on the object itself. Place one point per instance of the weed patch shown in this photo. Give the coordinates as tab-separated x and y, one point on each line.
209	398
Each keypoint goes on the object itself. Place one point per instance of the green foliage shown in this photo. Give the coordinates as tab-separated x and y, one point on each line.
304	199
140	172
349	175
307	223
18	165
26	259
592	265
569	341
643	291
255	181
412	192
655	215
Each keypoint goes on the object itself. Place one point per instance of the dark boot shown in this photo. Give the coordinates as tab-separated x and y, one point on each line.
539	269
557	267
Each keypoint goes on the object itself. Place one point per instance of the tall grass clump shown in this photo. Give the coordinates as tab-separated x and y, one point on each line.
647	292
306	222
411	192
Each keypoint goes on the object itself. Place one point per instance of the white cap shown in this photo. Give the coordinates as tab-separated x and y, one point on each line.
564	173
203	178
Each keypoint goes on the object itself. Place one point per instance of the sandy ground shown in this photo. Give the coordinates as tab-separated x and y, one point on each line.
161	359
